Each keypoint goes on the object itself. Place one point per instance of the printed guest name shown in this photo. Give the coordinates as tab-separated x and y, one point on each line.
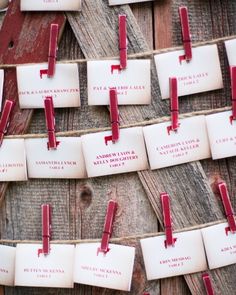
230	249
49	91
56	163
175	262
44	270
115	159
192	79
3	270
119	88
178	149
230	139
104	272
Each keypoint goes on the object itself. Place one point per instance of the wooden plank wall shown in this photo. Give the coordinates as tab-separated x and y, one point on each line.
79	206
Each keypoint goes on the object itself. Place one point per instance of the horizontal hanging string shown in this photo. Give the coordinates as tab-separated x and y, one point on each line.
138	124
133	55
122	239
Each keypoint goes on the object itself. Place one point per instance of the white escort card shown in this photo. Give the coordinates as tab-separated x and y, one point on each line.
222	135
13	160
119	2
53	270
1	87
133	84
7	265
126	155
34	85
66	161
230	46
202	73
187	256
111	270
220	247
51	5
189	143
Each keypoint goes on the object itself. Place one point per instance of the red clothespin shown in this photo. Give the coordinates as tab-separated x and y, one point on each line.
228	207
52	54
165	201
4	121
183	14
107	231
50	121
115	119
207	284
174	106
233	91
46	229
123	41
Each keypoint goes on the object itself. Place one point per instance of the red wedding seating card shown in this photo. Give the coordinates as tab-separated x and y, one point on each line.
66	161
126	155
34	85
222	135
1	87
7	265
185	257
13	160
133	84
189	143
53	270
220	246
120	2
53	5
230	46
202	73
111	270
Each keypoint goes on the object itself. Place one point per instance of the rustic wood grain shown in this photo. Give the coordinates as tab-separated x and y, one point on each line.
19	46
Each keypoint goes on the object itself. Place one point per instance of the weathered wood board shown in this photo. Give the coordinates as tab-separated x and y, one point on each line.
80	205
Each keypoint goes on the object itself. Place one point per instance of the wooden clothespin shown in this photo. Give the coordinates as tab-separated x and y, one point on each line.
174	106
46	229
186	36
115	118
107	231
233	93
52	54
165	201
207	283
5	118
50	122
229	212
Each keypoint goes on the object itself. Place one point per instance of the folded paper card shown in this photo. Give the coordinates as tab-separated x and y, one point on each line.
1	87
202	73
120	2
222	135
133	84
50	5
66	161
185	257
53	270
7	265
13	160
189	143
230	46
126	155
111	270
220	246
34	86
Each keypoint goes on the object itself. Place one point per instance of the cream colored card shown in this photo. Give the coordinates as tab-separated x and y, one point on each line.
220	248
7	265
230	46
13	160
133	84
202	73
34	86
54	270
66	161
222	135
119	2
187	256
126	155
113	270
1	87
50	5
189	143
